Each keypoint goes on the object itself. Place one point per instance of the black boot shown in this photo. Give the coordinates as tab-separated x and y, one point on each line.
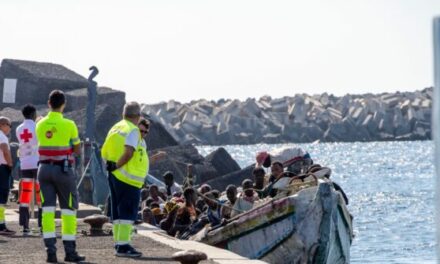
71	254
51	250
52	258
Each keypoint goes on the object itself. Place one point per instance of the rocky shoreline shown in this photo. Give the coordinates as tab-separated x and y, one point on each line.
301	118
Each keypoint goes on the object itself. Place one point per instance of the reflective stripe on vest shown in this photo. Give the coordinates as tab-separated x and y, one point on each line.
56	137
135	170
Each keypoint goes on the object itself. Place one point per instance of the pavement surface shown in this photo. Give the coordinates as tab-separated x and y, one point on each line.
30	249
156	246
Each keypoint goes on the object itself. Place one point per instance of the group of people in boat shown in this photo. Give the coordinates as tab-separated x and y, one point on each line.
184	210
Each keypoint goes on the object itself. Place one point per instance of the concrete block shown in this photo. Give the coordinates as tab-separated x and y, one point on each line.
370	125
417	102
222	127
297	112
334	113
171	106
391	100
324	100
279	105
404	106
264	105
343	104
313	102
426	103
251	108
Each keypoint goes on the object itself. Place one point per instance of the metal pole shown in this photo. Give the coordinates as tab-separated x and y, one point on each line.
91	92
436	124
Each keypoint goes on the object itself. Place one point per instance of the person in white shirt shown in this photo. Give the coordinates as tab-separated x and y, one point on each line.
5	172
171	186
246	200
28	154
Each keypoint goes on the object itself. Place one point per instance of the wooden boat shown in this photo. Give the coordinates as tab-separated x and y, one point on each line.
307	222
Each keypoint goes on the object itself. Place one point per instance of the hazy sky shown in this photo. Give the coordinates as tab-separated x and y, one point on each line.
184	50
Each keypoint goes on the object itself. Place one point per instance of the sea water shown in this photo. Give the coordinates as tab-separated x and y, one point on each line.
390	186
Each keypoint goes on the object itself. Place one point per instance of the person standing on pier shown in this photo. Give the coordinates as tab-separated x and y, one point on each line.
28	154
127	165
5	172
58	141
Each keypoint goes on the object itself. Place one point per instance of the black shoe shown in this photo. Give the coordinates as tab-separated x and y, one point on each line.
7	232
128	252
52	258
74	257
26	231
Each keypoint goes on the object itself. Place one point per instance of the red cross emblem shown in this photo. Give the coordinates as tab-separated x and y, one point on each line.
26	135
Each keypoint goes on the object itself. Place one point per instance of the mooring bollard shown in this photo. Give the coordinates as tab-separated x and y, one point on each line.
189	256
96	222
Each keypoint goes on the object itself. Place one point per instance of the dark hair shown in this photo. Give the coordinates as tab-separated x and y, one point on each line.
168	174
152	186
29	111
144	122
231	187
154	205
278	163
149	201
216	193
267	161
188	193
247	182
258	170
56	99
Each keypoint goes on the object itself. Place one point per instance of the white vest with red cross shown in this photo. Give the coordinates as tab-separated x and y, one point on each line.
28	150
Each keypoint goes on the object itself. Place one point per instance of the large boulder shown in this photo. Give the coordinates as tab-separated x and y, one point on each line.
222	161
159	137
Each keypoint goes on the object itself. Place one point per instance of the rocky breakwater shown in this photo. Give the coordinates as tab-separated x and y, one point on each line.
301	118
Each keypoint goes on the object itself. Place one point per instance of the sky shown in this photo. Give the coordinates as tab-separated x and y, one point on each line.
184	50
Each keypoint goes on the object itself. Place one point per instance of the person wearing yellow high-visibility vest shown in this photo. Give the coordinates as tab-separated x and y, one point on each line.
127	164
58	141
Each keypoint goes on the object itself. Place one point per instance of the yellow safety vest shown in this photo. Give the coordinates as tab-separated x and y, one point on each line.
56	137
136	169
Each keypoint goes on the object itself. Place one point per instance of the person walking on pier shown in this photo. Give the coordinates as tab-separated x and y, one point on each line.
28	154
127	165
58	141
5	172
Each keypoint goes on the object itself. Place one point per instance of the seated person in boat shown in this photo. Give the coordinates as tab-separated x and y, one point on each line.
231	194
152	214
260	180
276	172
155	194
186	215
246	200
172	188
200	204
295	159
212	215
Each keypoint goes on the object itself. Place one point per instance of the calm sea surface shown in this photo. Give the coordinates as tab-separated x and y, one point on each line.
390	186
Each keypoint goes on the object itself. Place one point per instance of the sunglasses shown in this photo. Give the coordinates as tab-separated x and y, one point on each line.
144	131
